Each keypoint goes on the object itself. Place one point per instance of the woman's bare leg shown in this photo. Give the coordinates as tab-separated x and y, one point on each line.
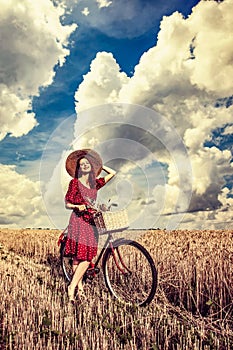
77	278
74	267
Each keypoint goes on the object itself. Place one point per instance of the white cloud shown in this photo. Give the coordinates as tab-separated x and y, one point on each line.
221	218
171	68
210	166
85	11
182	78
203	120
14	114
226	198
103	3
33	41
102	84
212	69
20	200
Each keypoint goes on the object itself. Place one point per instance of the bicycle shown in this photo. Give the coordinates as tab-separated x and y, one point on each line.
129	271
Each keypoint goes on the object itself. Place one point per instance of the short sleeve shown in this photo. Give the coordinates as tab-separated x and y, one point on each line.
100	183
72	191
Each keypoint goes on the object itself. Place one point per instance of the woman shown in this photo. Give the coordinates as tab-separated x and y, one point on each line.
81	239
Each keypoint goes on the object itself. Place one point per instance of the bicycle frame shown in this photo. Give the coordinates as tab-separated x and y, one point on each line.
109	244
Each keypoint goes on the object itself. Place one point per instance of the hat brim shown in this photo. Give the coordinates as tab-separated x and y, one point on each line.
93	157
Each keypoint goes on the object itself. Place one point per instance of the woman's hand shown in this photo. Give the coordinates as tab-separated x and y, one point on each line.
80	207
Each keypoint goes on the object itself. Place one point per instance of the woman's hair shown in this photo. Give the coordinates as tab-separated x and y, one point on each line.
78	173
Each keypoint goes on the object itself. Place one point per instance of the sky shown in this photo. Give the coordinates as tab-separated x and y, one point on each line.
147	84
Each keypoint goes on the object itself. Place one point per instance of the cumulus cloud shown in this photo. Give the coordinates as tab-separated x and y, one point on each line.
20	201
33	41
102	84
14	113
213	51
220	218
192	56
182	77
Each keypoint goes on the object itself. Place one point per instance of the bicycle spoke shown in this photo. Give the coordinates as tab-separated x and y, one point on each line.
137	286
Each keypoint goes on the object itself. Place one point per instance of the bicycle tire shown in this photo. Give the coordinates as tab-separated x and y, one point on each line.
66	263
136	287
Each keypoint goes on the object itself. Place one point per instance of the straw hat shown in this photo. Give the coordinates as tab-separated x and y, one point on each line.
92	156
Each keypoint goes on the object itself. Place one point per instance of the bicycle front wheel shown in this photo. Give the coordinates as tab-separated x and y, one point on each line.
129	272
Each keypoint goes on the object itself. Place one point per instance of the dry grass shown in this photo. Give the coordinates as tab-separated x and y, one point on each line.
192	308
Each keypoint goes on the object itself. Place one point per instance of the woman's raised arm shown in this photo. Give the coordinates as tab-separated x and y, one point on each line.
110	173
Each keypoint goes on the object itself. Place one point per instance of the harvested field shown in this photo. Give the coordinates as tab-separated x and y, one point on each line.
192	309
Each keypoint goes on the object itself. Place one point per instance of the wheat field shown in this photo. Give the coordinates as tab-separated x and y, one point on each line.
192	308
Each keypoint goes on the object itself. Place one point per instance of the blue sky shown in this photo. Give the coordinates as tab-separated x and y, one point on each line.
49	83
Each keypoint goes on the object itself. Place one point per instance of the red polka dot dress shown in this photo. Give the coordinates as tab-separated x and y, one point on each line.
82	238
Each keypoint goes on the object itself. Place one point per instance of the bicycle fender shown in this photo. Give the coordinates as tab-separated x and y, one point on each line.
117	241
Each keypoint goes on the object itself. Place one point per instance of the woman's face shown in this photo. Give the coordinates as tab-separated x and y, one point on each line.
85	166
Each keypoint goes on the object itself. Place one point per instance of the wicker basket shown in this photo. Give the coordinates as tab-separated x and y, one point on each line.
110	221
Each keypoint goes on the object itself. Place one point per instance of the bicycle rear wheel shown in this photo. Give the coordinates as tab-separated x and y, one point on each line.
66	263
129	272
